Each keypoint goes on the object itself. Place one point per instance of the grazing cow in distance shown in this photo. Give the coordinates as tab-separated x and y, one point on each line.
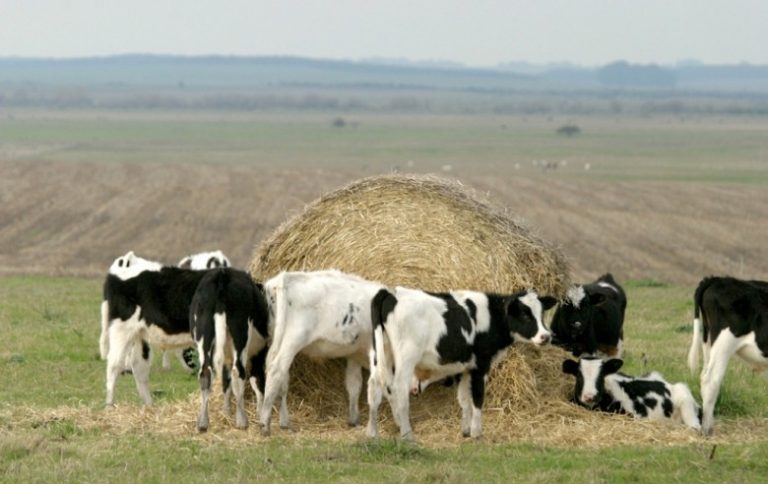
439	335
730	317
591	319
323	314
599	385
228	320
145	303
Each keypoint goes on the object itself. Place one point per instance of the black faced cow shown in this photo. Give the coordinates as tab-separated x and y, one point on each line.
730	317
591	319
438	335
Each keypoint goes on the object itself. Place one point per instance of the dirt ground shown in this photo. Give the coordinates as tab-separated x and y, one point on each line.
74	218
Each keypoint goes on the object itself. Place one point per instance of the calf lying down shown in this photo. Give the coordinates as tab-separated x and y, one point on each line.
599	385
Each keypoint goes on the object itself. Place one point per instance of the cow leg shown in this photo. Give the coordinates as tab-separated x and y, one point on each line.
477	385
278	367
140	364
120	340
204	377
712	376
374	401
257	377
104	336
464	397
238	388
222	358
404	371
354	383
166	360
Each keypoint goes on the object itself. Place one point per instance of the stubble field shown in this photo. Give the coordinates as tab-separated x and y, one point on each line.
665	201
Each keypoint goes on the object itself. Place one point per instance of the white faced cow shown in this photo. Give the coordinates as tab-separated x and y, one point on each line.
591	319
733	315
600	386
323	314
438	335
145	303
229	318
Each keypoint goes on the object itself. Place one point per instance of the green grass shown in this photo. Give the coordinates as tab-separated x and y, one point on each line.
50	358
706	149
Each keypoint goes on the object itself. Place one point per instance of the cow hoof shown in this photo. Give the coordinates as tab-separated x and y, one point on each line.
465	433
202	430
265	432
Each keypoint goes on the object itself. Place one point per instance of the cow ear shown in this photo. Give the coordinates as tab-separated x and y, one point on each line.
612	366
547	302
186	263
570	367
597	299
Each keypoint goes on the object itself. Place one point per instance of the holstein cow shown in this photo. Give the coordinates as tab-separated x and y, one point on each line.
323	314
599	385
730	317
145	303
201	261
228	319
438	335
198	262
591	319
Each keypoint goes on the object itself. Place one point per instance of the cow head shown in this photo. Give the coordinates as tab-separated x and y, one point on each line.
590	373
130	265
524	317
573	322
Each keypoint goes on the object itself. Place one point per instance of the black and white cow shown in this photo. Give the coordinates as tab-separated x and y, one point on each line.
228	320
730	317
591	319
323	314
599	385
198	262
145	303
438	335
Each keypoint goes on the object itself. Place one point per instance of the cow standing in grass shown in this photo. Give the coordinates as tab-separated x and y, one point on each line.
730	317
439	335
229	319
145	303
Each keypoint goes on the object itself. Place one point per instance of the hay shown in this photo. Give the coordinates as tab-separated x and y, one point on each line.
429	233
416	231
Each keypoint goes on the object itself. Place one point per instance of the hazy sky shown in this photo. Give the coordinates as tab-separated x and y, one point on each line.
475	32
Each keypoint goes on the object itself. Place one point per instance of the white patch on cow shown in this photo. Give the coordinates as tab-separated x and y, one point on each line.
201	261
608	286
130	265
575	295
483	315
590	371
531	299
164	341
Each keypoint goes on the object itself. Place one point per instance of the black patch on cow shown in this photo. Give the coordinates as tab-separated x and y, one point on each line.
453	346
382	304
144	350
601	317
213	263
189	355
472	309
738	305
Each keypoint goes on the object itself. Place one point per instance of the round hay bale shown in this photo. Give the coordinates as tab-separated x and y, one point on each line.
429	233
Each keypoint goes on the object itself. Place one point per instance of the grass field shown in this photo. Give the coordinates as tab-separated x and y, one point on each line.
49	362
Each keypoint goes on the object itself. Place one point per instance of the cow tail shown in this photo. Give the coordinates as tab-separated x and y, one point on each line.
382	304
694	353
277	299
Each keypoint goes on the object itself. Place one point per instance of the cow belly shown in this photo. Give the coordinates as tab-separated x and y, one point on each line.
164	341
750	352
329	349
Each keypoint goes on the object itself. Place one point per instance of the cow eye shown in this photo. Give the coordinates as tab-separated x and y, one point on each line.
120	263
